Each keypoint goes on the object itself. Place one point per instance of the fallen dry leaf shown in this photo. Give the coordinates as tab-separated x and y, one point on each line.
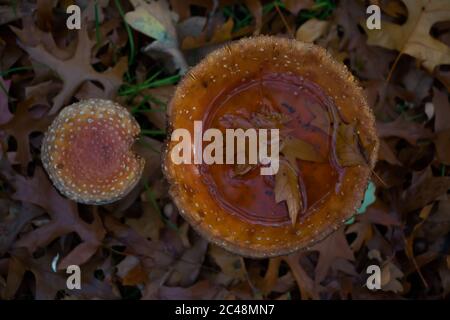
348	146
64	218
311	30
221	34
413	37
402	128
154	19
149	224
287	189
424	189
73	69
293	148
309	289
21	125
332	248
231	264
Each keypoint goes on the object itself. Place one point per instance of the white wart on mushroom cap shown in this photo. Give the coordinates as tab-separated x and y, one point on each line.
87	152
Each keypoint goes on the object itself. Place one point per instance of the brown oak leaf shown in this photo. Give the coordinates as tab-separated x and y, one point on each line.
21	125
332	248
64	217
293	148
287	189
402	128
413	37
348	146
75	69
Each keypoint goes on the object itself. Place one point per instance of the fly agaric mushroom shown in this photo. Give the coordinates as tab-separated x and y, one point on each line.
327	137
87	152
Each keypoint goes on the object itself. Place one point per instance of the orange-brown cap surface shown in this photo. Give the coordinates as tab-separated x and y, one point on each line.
87	152
298	81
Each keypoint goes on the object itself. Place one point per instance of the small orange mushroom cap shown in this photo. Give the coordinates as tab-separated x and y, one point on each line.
241	214
87	152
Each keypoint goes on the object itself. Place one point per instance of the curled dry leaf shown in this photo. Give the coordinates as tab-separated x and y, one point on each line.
294	148
348	146
287	189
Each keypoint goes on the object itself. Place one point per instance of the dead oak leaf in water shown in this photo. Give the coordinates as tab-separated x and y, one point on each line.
413	37
348	146
293	148
287	189
76	69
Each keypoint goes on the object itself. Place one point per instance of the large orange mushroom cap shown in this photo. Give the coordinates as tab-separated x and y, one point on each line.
87	152
239	213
